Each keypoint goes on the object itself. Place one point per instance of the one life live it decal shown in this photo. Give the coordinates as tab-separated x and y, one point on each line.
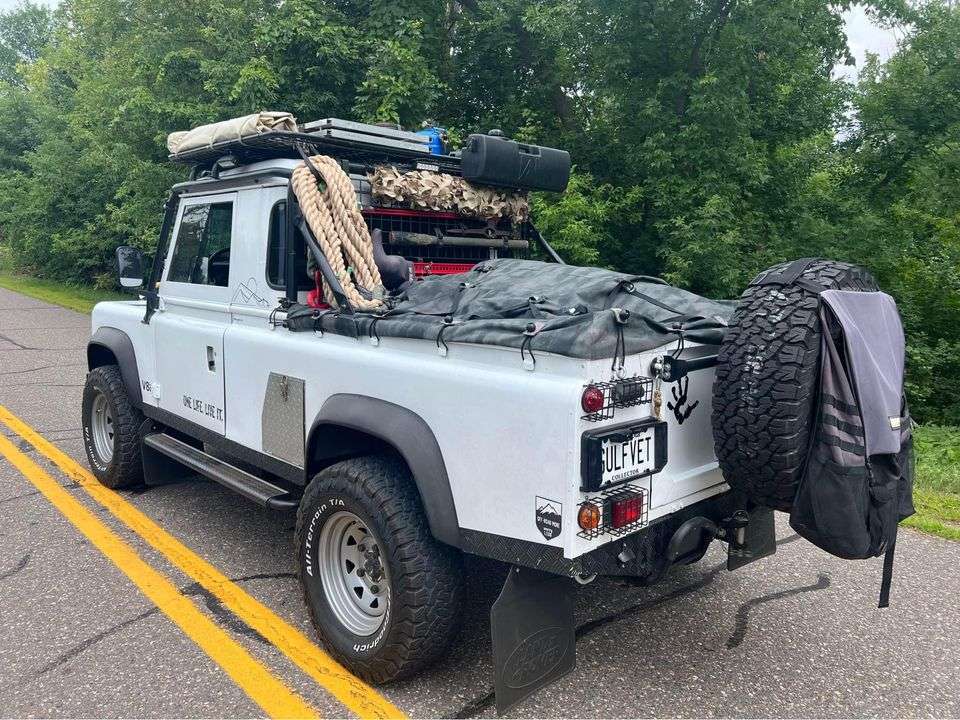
549	517
204	408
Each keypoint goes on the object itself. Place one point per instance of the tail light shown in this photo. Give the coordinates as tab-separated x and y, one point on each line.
600	399
588	518
627	510
615	512
592	399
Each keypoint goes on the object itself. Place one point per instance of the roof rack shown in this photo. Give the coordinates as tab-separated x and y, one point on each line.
367	150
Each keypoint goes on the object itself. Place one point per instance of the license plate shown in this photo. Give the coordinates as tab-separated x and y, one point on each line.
628	458
620	454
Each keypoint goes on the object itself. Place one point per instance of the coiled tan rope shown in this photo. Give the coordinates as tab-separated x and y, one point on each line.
340	230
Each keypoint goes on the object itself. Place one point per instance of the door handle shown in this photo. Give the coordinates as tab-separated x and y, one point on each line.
211	359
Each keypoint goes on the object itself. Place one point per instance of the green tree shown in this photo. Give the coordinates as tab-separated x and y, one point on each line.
711	137
24	32
906	149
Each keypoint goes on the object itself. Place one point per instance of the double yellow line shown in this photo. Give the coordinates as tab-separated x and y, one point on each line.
271	694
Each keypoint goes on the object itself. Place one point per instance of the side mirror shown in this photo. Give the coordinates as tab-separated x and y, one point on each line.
130	264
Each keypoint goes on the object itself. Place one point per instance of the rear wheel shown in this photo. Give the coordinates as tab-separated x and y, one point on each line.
110	423
355	579
383	595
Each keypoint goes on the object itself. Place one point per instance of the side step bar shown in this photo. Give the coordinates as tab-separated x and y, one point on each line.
250	486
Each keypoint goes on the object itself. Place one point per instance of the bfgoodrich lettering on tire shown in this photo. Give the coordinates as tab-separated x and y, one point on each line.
110	423
766	379
383	595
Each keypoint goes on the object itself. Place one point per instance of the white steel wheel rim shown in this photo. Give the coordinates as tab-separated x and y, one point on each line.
102	427
355	581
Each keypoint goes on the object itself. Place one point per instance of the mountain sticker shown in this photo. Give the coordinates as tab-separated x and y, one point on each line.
549	517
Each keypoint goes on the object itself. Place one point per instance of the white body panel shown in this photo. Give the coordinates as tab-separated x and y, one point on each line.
190	368
508	435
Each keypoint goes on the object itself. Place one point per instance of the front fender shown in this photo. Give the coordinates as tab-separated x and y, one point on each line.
109	345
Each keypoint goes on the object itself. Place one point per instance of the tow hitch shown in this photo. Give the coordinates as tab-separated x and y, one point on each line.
749	536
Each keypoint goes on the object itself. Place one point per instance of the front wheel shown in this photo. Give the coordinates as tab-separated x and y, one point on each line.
383	595
110	423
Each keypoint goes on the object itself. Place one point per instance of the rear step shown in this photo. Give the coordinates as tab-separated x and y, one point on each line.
240	481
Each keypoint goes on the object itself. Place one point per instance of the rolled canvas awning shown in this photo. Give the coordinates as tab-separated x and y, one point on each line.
226	130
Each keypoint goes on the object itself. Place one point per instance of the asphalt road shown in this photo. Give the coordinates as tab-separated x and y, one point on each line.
794	635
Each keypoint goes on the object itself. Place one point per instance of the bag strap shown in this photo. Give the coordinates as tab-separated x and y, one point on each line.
887	578
790	275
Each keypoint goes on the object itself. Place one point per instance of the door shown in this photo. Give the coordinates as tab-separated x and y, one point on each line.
195	311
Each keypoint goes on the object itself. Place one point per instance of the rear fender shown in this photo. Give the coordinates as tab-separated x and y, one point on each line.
404	431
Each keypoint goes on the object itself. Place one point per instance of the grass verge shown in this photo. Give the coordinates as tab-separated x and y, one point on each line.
937	513
76	297
936	494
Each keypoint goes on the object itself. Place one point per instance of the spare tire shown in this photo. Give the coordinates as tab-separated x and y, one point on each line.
766	379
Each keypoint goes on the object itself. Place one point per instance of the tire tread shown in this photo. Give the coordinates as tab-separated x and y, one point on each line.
427	589
126	467
765	382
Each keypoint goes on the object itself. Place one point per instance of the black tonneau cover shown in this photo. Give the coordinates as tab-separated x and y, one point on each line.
580	312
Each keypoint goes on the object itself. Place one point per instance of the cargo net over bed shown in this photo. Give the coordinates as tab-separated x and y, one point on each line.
579	312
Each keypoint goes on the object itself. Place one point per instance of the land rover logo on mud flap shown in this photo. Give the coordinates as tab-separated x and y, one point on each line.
535	657
549	517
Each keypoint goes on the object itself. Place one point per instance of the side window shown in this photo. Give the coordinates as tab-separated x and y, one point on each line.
277	253
201	255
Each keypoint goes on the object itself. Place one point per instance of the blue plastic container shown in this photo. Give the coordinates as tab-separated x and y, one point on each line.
435	134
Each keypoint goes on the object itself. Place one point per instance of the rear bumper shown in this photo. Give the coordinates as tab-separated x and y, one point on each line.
641	554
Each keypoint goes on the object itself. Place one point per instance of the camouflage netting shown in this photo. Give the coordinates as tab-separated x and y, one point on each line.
426	190
541	307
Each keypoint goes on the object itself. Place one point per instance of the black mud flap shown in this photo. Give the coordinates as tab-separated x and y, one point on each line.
533	634
760	540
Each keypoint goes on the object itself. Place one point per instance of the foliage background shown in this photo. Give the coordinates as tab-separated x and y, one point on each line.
710	136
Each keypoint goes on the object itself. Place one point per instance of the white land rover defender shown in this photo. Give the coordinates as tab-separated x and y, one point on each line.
457	396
